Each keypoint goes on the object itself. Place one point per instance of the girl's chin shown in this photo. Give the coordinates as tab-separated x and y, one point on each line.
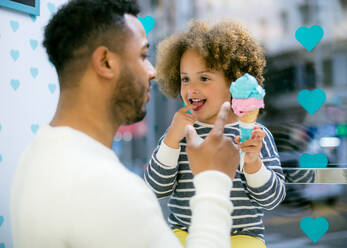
205	119
205	116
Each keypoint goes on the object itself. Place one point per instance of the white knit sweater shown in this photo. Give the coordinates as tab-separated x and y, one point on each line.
71	191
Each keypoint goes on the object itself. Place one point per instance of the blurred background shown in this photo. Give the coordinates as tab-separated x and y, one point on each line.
290	68
29	93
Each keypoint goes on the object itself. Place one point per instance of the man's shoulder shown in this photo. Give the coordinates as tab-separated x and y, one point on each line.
67	145
82	163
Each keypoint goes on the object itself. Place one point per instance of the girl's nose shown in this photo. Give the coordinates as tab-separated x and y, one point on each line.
192	89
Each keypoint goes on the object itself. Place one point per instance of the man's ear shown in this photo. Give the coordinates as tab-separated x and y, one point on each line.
105	62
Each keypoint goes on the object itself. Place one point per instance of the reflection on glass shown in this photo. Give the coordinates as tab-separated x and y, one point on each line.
293	140
290	68
299	176
319	176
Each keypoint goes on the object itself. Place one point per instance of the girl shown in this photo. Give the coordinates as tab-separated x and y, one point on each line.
199	65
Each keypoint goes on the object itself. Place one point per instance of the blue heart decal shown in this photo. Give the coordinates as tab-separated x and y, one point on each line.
15	84
52	88
14	55
34	72
147	22
0	158
314	228
34	128
33	44
318	160
14	25
0	127
309	37
311	101
33	17
51	7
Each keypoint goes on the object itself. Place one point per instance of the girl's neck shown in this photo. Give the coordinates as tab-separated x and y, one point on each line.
232	118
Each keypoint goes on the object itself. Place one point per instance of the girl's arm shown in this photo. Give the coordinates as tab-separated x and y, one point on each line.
161	172
267	186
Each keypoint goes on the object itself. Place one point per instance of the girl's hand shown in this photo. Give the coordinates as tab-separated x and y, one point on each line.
252	148
176	130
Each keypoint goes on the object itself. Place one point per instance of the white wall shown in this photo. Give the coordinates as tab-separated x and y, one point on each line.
28	93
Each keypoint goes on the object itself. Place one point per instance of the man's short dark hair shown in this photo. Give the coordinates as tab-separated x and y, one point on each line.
80	26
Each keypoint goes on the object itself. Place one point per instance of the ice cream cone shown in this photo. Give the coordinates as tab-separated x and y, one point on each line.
247	97
250	117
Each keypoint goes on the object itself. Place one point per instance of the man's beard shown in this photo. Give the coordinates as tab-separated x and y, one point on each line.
127	103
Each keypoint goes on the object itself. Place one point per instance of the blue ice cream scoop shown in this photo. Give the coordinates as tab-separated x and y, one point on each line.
247	87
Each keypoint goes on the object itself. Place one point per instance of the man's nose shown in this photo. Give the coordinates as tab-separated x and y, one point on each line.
152	72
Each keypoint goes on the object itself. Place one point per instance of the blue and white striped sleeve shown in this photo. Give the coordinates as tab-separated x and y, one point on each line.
267	186
161	173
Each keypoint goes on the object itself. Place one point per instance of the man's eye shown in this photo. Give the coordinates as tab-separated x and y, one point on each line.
145	56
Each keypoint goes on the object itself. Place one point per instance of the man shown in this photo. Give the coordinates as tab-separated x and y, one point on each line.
70	189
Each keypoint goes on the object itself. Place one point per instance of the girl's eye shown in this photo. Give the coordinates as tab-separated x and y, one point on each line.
185	79
204	79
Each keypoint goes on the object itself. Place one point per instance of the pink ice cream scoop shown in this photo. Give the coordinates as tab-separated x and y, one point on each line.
242	106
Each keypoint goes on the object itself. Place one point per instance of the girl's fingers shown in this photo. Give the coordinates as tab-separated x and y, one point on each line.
259	134
258	131
252	144
186	108
189	119
193	115
250	150
248	142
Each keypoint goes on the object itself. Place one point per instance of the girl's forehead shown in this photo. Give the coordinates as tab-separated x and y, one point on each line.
192	54
193	60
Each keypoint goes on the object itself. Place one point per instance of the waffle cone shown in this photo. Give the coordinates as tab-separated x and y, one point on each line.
250	117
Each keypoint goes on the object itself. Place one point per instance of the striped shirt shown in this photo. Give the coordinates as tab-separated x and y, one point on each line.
249	198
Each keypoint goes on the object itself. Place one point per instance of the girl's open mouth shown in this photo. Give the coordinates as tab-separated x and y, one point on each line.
197	103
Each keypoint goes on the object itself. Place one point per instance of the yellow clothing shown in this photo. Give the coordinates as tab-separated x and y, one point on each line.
237	241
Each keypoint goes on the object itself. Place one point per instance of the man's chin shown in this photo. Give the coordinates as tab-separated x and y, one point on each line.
139	117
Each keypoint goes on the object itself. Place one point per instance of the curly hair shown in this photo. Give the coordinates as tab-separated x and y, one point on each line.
80	26
225	46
